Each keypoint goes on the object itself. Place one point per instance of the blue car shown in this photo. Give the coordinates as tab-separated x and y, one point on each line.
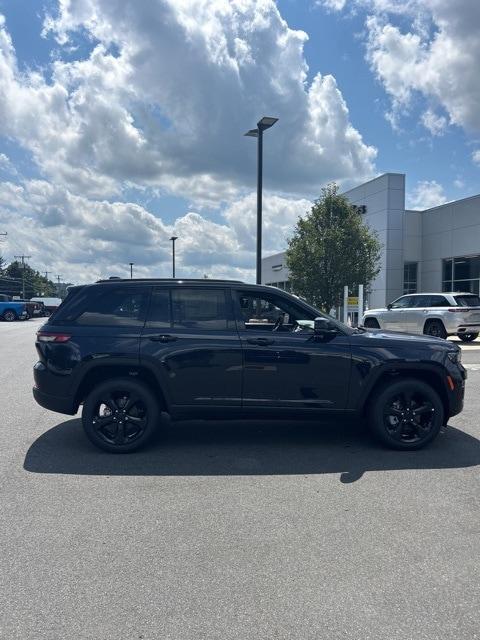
12	310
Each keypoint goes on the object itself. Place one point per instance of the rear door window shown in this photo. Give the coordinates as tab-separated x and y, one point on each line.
437	301
197	308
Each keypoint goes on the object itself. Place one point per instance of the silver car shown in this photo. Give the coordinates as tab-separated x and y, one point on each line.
436	314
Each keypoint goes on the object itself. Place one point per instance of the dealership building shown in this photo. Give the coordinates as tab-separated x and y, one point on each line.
437	249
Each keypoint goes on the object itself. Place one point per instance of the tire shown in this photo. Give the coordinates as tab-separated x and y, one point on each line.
394	415
110	405
46	314
27	317
9	315
371	323
467	337
435	328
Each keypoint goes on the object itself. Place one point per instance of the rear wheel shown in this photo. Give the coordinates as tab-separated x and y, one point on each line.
9	316
407	414
435	328
468	337
371	323
120	415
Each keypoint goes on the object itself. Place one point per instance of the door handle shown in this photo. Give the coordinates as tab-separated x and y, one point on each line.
261	341
162	338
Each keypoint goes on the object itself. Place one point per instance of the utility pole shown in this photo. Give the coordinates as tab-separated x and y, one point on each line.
58	284
131	269
46	274
22	258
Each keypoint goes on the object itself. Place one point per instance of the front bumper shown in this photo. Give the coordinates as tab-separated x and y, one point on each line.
456	396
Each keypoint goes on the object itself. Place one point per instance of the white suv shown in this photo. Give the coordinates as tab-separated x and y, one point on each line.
436	314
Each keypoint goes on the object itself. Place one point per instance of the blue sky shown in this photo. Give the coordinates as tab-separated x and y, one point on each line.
121	122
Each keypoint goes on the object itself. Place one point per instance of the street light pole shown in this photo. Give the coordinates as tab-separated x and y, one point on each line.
173	238
131	269
264	123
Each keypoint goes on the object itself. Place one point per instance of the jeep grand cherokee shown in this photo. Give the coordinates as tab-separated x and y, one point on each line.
128	349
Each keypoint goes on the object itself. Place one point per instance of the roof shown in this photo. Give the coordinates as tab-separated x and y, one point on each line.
442	293
176	280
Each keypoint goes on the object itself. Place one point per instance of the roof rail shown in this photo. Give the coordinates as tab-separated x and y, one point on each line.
193	280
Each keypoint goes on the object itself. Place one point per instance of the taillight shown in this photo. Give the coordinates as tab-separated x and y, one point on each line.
44	336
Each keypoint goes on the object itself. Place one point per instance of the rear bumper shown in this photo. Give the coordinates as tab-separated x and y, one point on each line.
469	328
60	404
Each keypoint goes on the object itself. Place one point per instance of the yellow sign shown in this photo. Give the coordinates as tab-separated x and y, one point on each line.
353	300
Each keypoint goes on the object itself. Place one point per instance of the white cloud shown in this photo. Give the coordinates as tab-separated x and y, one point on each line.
436	58
84	239
332	5
165	96
427	194
6	165
476	157
459	183
435	123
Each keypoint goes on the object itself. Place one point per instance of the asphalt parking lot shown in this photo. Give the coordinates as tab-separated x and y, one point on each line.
269	531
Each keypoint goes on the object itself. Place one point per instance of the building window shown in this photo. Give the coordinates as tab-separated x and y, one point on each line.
410	277
461	274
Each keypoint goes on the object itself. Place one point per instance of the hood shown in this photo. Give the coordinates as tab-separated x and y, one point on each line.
373	336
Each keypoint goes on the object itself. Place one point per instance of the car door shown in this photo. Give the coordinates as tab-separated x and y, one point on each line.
416	315
395	319
284	363
191	343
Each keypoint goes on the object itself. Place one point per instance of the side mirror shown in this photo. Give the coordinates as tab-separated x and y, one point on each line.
322	326
389	306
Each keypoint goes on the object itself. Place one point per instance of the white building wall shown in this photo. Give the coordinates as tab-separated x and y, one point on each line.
450	230
384	198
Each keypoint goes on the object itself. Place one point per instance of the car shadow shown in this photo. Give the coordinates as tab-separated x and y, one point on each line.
212	448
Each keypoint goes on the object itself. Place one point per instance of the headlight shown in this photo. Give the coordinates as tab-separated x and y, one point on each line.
455	356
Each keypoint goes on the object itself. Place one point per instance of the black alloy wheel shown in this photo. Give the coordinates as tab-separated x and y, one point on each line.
468	337
120	415
407	414
435	328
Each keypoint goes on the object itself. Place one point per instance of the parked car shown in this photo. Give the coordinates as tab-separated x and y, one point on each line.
34	309
49	304
434	314
129	349
13	310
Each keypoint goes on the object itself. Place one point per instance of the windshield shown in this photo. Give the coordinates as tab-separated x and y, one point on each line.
466	300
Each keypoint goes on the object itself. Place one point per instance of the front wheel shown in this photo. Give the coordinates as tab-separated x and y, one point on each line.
120	415
406	415
371	323
468	337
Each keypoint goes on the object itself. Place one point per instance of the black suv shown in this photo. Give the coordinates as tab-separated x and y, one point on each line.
129	349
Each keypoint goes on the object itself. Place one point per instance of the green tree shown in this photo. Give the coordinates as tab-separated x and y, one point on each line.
331	247
3	264
35	284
